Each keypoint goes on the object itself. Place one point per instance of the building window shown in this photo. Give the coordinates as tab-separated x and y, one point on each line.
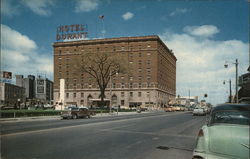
82	94
131	94
122	48
114	85
74	95
139	94
130	85
122	94
82	101
122	102
123	85
139	54
139	85
67	95
148	94
59	58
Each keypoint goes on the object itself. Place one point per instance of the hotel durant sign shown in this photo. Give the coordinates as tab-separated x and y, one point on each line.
70	32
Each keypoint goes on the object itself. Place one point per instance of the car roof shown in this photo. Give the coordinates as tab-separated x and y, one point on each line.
236	107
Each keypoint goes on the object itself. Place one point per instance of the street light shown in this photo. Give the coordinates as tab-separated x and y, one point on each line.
236	76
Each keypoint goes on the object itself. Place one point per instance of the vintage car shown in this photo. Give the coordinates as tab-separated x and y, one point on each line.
226	135
75	112
199	111
169	109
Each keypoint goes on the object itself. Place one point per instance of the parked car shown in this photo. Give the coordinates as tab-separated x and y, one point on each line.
169	109
74	113
226	135
199	111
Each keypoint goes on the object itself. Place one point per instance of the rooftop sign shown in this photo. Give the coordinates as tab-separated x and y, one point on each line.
70	32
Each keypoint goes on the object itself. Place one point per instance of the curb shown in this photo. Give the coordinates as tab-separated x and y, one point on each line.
39	118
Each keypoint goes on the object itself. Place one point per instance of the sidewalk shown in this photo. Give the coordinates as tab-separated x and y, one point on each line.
57	117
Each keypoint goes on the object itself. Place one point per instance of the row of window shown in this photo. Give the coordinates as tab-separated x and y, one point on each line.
131	94
114	85
114	48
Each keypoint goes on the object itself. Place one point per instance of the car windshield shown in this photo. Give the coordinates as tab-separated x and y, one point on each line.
231	117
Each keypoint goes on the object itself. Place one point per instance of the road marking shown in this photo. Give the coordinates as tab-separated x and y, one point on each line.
83	125
151	133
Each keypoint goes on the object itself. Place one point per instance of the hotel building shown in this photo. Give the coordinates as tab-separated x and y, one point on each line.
151	83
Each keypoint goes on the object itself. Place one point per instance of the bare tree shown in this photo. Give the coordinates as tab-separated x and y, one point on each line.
101	66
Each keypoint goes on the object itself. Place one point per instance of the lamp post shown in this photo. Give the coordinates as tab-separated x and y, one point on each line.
236	78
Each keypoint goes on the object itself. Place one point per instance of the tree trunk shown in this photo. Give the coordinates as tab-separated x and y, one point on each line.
102	103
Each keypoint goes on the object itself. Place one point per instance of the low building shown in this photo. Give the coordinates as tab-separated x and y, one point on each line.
11	95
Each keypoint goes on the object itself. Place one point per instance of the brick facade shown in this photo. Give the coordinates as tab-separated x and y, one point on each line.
153	78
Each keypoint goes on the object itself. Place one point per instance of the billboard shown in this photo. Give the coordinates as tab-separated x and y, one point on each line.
6	75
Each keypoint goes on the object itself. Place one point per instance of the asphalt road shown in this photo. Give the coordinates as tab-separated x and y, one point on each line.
139	136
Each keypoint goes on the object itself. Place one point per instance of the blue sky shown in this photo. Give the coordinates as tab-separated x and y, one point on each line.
202	33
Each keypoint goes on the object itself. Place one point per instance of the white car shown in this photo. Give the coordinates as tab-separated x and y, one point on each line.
199	111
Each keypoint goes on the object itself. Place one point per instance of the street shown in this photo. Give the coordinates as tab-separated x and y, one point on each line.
158	135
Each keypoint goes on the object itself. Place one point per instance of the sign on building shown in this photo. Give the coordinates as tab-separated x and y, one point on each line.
7	75
70	32
40	86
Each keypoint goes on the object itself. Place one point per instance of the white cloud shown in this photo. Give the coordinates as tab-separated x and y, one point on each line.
17	40
178	11
127	16
86	5
8	8
204	30
200	64
19	54
40	7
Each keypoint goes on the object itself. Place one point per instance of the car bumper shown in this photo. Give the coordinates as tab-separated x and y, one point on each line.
201	155
66	116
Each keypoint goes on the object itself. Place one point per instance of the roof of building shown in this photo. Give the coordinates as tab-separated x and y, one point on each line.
113	40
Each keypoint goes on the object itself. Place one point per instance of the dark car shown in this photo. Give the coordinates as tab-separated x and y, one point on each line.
74	113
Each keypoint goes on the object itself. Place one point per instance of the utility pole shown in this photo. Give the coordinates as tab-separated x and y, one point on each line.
230	92
236	82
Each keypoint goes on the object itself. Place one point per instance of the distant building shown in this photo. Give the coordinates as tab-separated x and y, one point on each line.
28	83
151	82
37	90
187	101
44	90
11	95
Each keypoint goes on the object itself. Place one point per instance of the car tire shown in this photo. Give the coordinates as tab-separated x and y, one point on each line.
74	116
